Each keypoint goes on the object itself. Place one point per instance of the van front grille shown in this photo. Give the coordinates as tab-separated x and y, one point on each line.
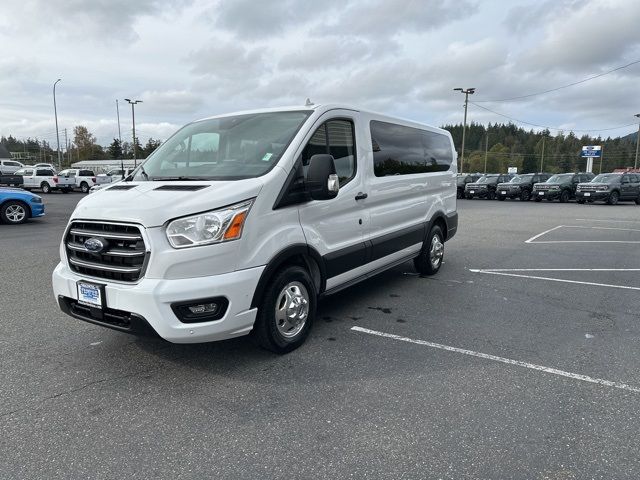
122	258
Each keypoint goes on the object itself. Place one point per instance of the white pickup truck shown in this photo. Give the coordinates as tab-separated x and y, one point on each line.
73	178
113	175
38	178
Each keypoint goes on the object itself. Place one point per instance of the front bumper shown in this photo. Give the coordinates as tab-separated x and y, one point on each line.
593	196
149	301
37	209
546	194
507	193
477	193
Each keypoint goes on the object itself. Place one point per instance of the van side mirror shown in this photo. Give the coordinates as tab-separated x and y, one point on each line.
321	180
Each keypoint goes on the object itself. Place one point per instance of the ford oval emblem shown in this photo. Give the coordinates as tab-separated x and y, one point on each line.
94	245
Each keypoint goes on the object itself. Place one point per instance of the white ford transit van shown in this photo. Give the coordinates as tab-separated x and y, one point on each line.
237	224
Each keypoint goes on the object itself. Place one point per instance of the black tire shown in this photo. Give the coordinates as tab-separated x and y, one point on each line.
459	194
84	186
45	187
14	212
425	263
565	196
525	196
491	195
268	329
613	198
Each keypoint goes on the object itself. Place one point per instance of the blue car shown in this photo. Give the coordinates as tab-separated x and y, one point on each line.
17	206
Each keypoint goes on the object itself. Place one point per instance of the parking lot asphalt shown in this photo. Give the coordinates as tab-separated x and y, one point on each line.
518	360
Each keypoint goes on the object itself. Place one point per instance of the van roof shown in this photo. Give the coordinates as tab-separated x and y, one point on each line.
323	108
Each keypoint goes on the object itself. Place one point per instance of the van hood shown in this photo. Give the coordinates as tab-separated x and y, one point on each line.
154	203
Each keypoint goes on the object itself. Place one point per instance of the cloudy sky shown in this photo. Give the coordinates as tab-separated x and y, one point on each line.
187	59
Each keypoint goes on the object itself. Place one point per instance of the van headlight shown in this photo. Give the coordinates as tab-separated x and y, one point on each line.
215	226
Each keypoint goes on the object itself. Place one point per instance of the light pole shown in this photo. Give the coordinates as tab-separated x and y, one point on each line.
55	112
635	165
133	118
467	92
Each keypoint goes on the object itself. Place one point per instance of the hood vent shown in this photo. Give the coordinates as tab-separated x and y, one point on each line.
122	187
186	188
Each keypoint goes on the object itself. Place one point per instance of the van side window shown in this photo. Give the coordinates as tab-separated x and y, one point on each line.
335	137
401	150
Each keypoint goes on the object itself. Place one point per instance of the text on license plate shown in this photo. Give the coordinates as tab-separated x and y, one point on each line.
540	193
89	294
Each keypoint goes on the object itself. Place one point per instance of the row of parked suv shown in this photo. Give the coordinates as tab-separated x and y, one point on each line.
583	187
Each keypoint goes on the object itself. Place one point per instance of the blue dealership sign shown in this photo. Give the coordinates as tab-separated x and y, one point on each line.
591	151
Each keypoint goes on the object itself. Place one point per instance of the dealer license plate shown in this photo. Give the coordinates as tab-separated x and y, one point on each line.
587	194
90	294
540	193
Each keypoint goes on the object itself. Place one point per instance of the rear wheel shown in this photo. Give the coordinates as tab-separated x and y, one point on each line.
287	311
525	195
565	196
45	187
84	186
430	259
14	212
613	198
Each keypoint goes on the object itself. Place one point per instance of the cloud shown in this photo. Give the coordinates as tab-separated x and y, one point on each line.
106	20
384	18
171	101
582	35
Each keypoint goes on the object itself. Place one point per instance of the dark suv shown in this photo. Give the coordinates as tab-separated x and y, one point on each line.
465	178
610	188
561	186
486	186
520	186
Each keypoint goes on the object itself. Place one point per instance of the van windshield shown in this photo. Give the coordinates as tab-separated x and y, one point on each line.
227	148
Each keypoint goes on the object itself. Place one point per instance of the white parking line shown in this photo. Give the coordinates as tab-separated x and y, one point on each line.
549	279
508	361
533	239
543	233
557	270
608	221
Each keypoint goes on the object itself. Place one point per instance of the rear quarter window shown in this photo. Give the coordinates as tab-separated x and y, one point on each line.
402	150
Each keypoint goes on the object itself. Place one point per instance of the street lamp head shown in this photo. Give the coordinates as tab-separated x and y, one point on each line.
457	89
127	100
471	90
637	115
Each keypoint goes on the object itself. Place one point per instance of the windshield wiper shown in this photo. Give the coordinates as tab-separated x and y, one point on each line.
176	179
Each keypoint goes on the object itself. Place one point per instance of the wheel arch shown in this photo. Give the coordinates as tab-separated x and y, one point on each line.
300	254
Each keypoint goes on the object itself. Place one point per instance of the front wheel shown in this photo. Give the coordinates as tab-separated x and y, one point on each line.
565	196
613	198
14	212
84	186
287	311
430	259
525	195
45	187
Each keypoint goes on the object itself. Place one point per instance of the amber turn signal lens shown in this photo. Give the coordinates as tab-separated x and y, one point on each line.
235	229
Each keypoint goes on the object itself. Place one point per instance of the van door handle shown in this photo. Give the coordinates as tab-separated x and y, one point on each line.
361	196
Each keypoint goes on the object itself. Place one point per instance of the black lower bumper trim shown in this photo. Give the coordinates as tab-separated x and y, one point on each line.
108	317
